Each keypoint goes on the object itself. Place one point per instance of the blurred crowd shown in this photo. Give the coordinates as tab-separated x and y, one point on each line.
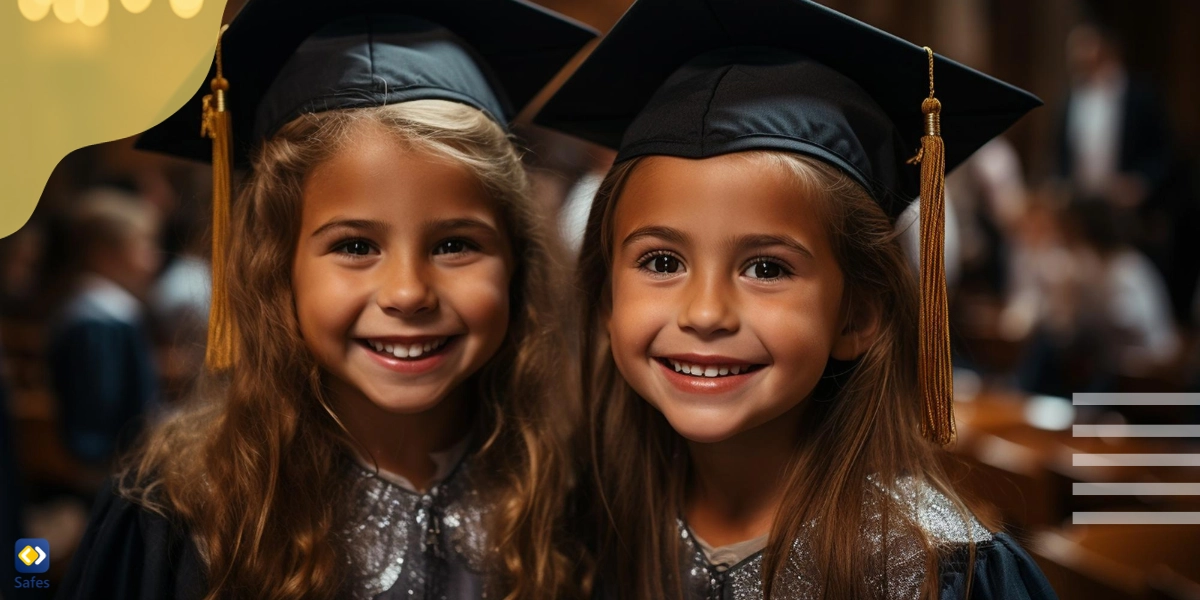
1079	278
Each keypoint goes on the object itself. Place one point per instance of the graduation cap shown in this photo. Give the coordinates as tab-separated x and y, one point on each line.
284	58
280	59
701	78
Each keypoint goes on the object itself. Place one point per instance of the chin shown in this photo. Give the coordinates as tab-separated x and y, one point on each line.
406	401
704	427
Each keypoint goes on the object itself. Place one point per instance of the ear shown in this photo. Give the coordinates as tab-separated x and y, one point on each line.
860	327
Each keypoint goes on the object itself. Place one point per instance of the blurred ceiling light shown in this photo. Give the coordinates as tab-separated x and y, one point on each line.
34	10
67	11
93	12
1050	413
135	6
186	8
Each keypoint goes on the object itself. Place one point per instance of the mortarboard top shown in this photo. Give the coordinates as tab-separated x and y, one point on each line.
699	78
283	58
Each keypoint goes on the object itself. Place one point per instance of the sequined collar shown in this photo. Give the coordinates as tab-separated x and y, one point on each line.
928	508
409	544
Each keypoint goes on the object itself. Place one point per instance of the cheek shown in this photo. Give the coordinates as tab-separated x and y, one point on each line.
480	296
638	314
325	308
797	330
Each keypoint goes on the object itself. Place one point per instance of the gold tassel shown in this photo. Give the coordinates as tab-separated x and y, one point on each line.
216	124
935	372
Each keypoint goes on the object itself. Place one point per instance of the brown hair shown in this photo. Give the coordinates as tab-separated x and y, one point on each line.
229	467
861	424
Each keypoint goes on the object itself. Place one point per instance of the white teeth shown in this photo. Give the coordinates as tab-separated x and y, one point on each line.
707	371
407	351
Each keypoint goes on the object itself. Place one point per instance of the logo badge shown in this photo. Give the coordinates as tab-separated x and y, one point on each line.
32	555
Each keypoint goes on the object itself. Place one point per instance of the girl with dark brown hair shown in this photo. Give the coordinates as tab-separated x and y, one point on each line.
756	353
395	416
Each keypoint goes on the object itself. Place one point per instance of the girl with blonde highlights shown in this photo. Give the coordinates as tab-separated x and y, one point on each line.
397	418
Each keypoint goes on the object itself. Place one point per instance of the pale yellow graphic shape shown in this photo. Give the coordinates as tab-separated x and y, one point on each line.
70	85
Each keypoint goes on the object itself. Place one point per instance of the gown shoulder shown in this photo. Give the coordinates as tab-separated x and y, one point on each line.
129	551
1002	570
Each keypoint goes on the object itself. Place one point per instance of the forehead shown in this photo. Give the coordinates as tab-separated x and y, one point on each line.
377	172
722	196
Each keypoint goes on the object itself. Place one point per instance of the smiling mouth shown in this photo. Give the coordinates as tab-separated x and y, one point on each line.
407	351
708	371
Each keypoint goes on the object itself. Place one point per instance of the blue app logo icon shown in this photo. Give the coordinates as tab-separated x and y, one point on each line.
32	555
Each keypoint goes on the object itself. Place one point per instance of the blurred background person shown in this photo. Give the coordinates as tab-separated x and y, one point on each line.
1114	141
100	354
179	299
11	504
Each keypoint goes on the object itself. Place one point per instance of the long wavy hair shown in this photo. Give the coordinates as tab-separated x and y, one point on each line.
861	424
229	466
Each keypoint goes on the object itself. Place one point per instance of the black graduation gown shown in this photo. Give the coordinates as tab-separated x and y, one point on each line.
402	544
132	553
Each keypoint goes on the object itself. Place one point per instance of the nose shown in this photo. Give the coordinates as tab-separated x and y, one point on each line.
406	289
709	307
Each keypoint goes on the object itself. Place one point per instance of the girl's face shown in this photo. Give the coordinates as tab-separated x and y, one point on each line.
726	296
401	274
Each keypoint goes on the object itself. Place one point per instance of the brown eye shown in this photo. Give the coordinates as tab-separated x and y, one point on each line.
450	247
356	247
664	264
764	269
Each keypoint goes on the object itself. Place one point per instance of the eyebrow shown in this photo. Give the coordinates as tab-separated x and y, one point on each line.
741	244
751	242
377	226
460	223
667	234
371	225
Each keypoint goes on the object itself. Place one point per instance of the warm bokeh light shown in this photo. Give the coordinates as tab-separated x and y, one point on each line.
34	10
93	12
186	8
67	11
135	6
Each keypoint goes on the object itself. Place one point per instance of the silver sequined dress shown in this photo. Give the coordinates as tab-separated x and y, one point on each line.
905	563
415	546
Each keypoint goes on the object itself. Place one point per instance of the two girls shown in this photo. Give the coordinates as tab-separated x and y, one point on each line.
754	366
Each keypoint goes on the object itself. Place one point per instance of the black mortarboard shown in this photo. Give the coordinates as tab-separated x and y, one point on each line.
283	58
697	78
700	78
